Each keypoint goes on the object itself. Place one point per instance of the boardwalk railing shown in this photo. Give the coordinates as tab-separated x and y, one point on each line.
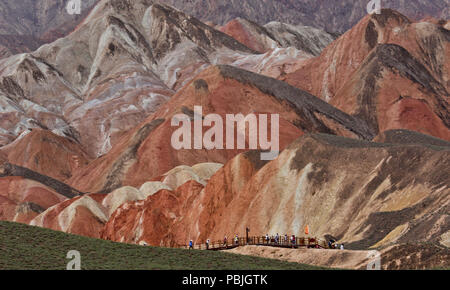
300	242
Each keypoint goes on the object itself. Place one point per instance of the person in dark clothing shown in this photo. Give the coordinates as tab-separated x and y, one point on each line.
331	244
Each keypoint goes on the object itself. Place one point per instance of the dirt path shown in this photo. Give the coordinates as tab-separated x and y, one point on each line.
344	259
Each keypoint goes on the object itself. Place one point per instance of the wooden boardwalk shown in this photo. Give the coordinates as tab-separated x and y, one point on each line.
300	242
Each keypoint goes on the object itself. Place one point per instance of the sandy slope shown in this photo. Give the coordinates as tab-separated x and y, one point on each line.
330	258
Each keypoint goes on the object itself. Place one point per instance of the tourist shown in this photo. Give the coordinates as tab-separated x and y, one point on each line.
191	245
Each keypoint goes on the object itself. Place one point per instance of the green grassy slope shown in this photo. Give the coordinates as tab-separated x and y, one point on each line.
25	247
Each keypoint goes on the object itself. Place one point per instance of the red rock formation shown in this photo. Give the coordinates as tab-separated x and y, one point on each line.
7	209
354	190
134	67
88	214
167	218
147	152
276	35
125	61
22	199
320	182
252	35
46	153
389	100
366	194
26	193
159	220
388	71
80	215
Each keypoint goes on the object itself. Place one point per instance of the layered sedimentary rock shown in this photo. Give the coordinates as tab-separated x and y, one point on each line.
46	90
118	73
25	25
117	67
46	153
277	35
355	191
334	17
86	124
388	71
22	199
81	215
88	214
25	193
148	152
364	194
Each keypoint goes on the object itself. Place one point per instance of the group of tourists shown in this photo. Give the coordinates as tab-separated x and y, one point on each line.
276	240
332	244
235	240
280	240
191	244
